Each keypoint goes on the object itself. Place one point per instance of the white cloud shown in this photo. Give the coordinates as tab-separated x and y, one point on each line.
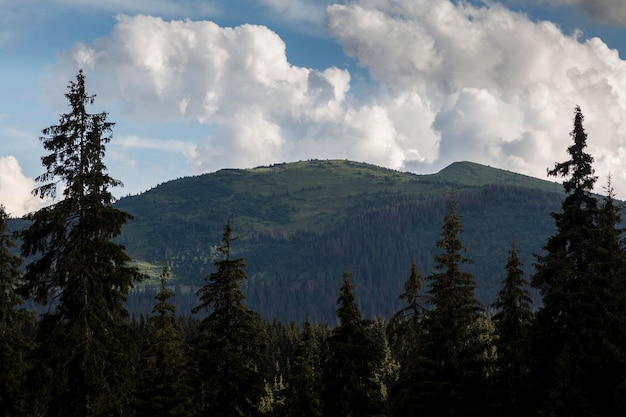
501	87
454	81
15	188
237	80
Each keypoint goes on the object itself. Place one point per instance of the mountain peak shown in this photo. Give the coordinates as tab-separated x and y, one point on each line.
473	174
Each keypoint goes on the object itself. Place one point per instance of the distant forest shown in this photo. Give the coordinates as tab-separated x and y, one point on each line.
297	276
300	225
441	352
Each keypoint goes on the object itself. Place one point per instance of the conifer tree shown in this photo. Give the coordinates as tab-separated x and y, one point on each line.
303	390
602	314
15	322
405	325
454	349
78	270
512	322
405	333
232	341
576	274
353	358
567	259
164	381
389	368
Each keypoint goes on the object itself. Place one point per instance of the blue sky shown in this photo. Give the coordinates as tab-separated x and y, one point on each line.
195	85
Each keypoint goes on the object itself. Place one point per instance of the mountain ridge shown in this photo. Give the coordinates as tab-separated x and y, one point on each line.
302	224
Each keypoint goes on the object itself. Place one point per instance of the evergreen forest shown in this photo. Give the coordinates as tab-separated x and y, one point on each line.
552	342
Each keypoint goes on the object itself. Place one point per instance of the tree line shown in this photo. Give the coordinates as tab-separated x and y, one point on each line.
441	354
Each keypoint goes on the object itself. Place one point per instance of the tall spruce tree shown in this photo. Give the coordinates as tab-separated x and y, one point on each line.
405	325
405	333
454	348
351	363
603	314
512	322
303	389
232	341
78	270
163	388
15	324
566	261
569	278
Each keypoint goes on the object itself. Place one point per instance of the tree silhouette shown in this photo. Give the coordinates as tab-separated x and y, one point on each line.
232	343
78	270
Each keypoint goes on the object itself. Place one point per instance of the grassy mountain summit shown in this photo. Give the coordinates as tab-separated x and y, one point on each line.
473	174
302	224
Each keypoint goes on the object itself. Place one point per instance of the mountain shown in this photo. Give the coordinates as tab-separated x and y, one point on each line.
302	224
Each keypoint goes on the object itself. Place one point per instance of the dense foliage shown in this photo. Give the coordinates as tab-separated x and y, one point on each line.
164	362
442	353
231	343
79	271
352	358
15	325
302	224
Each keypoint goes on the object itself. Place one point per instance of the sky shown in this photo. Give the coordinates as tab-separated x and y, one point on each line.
195	86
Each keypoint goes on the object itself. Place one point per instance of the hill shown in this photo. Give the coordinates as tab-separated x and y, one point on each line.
300	225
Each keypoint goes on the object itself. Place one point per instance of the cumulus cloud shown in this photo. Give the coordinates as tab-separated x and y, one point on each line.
501	87
15	188
611	11
453	81
237	80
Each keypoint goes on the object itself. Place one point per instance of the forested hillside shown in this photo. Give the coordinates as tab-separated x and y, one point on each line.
301	225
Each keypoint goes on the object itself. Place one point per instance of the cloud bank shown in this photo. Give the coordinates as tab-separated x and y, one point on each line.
501	87
453	82
261	109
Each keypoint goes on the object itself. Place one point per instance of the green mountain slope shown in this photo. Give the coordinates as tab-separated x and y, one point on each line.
300	225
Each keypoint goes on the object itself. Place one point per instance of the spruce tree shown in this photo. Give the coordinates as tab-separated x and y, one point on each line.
15	324
231	346
78	270
603	314
405	333
351	363
405	325
576	275
302	390
566	260
164	380
454	350
512	322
